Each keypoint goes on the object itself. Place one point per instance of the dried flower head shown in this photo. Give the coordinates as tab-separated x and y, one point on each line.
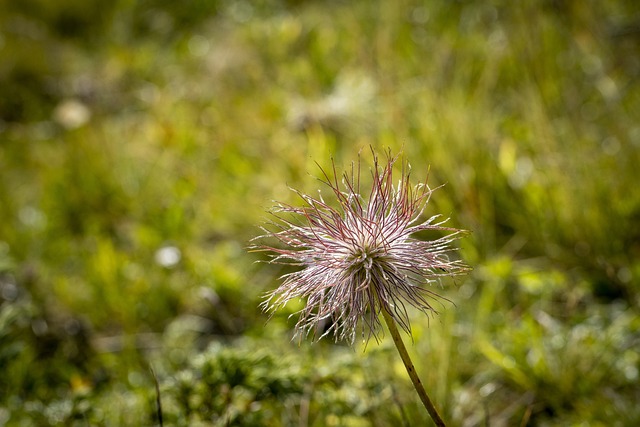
358	257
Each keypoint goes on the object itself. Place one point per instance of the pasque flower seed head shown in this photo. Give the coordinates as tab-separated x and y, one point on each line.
358	255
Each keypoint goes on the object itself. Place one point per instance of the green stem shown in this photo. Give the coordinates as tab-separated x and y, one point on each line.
397	340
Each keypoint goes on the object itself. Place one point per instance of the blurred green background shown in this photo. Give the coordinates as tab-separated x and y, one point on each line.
142	142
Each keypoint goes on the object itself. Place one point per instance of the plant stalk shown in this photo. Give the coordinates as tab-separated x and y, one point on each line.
411	370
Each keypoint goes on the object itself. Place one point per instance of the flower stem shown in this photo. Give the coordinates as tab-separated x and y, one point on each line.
397	340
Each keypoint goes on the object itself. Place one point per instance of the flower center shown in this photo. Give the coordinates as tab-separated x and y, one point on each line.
364	257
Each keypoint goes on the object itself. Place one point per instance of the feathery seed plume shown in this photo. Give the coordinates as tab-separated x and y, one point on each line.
357	254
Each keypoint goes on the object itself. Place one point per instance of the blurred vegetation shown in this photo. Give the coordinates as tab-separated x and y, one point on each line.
142	141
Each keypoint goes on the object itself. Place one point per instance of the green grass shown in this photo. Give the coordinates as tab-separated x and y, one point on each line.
201	115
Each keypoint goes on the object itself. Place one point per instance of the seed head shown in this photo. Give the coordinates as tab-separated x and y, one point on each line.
357	254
